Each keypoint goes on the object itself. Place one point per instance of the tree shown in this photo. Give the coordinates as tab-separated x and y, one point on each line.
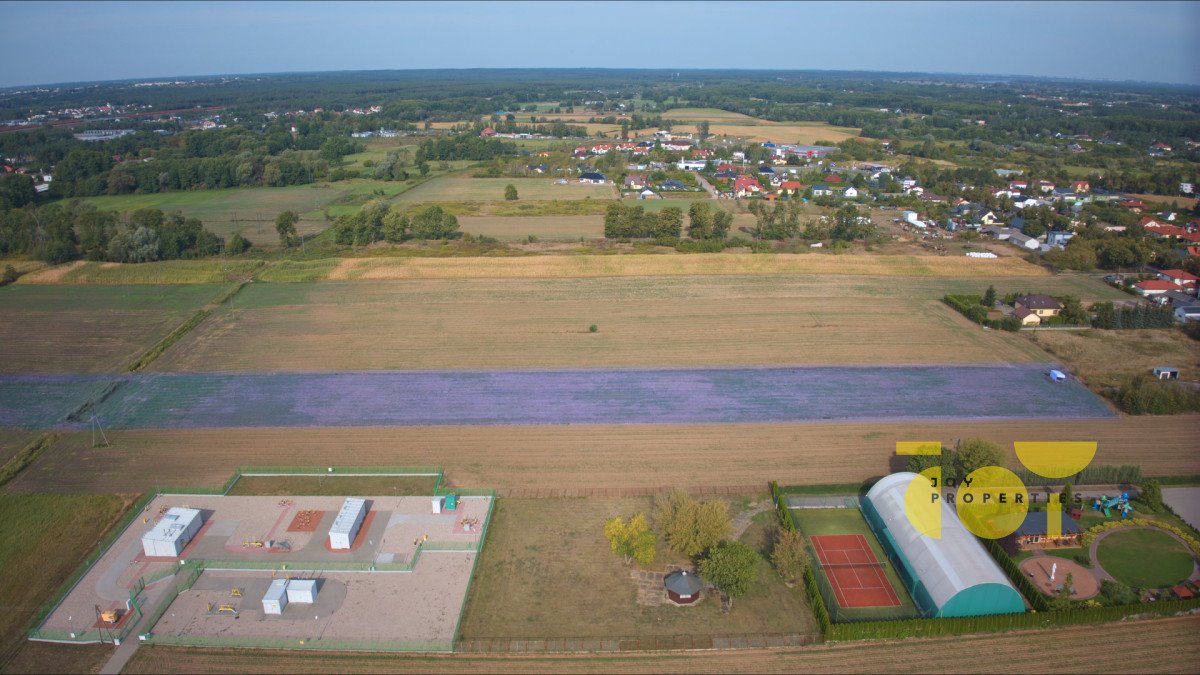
432	222
946	460
510	192
631	540
10	275
989	297
1073	311
689	526
976	453
395	225
16	190
237	244
285	225
789	556
702	128
732	567
1062	598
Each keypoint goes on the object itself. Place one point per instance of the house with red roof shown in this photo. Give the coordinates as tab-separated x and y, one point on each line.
725	166
1081	186
601	148
1153	287
1180	278
1017	185
1045	186
745	186
1134	205
833	178
791	187
702	152
677	145
488	132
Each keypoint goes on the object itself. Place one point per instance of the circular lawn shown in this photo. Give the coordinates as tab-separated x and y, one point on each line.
1145	558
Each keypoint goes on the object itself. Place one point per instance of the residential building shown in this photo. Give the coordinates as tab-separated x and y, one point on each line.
593	178
1154	287
1042	305
1180	278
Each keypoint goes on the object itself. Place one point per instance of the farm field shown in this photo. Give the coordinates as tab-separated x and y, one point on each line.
286	486
465	188
13	440
1160	646
688	265
42	539
249	210
413	333
162	272
1103	357
725	123
516	228
555	397
57	329
518	595
602	460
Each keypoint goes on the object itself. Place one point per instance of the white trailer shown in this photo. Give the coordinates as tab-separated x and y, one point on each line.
275	599
171	534
345	526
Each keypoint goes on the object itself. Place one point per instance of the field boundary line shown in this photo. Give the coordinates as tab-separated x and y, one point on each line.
183	329
18	463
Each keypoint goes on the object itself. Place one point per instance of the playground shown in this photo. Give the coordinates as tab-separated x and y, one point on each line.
411	555
1111	506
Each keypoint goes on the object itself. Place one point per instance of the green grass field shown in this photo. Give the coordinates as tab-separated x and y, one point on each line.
1145	558
461	187
817	522
42	539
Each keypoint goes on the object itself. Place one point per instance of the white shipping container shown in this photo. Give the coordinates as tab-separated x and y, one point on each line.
345	526
275	599
302	590
172	533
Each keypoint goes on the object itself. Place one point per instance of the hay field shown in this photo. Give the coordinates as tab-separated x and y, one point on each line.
691	264
517	228
580	460
504	324
64	329
1104	357
725	123
211	271
465	188
1157	646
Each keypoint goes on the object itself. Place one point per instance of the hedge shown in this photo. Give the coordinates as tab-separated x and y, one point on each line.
1018	579
1092	532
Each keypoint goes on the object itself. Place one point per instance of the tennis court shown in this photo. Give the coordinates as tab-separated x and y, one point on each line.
857	576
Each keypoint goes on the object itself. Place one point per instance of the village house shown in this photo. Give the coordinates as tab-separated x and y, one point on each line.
821	190
1180	278
746	186
1081	186
593	178
1039	304
850	193
634	182
790	187
1153	287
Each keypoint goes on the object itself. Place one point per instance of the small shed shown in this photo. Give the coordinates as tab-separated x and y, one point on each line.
683	587
1057	376
302	590
451	503
345	526
1166	373
275	599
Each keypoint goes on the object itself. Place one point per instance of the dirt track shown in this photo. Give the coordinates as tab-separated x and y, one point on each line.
583	460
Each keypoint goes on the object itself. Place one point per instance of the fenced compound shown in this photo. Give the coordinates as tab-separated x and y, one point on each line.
822	502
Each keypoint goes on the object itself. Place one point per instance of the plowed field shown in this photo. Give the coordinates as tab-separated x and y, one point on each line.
584	459
1162	646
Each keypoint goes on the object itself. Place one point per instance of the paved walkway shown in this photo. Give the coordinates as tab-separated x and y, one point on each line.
150	599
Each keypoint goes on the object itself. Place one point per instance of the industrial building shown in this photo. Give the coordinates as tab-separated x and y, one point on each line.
345	526
171	534
302	590
947	577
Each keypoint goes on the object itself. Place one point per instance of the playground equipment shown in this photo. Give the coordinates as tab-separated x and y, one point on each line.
252	543
235	592
110	616
1107	504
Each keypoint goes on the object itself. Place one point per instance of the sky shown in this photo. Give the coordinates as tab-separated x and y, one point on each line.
52	42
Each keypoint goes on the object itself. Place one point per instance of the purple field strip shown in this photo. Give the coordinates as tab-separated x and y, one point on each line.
636	396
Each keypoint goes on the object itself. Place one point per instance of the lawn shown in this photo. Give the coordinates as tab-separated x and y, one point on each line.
818	522
1145	558
461	187
548	572
552	228
287	486
42	539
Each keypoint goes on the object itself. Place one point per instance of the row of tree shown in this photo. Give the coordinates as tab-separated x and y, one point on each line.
634	222
376	221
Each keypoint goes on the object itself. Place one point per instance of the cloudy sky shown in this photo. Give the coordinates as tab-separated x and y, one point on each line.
50	42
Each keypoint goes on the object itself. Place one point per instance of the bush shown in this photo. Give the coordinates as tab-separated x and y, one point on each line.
691	527
789	556
970	306
1144	395
10	275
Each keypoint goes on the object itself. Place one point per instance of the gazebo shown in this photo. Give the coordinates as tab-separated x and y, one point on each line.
683	587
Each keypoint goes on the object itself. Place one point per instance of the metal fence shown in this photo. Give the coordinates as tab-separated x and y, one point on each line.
314	644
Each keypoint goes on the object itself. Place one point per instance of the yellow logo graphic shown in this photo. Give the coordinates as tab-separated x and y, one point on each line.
922	502
992	502
1055	459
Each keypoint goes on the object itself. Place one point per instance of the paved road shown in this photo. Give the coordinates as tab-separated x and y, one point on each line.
707	186
1185	501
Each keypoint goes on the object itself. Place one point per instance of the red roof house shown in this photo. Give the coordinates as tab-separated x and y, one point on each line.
1154	287
746	185
1081	186
488	132
1180	278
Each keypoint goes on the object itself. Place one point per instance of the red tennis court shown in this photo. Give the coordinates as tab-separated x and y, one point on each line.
857	576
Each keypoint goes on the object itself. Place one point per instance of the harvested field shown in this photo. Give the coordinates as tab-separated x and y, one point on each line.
686	265
1103	357
13	440
1159	646
519	595
626	396
54	329
461	187
152	273
287	486
543	227
612	460
451	324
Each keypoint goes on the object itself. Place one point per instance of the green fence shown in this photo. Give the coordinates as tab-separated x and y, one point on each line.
192	572
482	541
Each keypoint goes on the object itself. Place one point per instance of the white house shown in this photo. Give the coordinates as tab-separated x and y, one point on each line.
850	193
691	164
1187	313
